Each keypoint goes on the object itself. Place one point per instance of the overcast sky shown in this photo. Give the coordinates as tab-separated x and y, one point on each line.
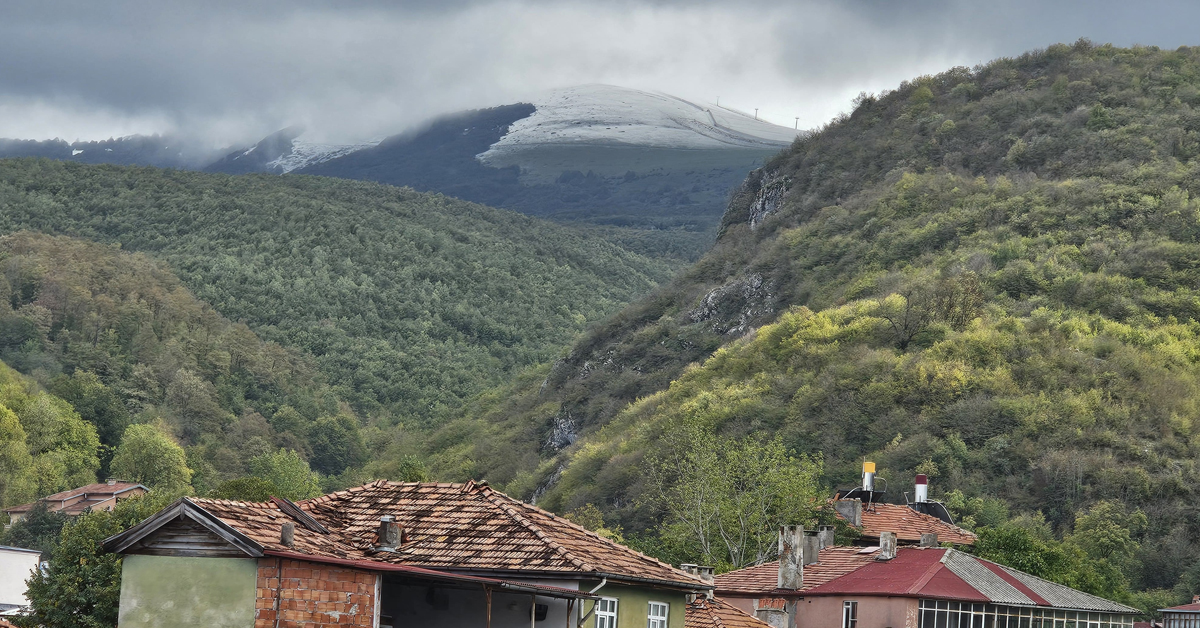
231	71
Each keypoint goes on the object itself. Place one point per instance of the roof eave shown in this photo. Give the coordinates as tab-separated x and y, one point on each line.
183	507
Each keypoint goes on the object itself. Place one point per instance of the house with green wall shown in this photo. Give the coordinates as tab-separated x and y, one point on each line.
389	554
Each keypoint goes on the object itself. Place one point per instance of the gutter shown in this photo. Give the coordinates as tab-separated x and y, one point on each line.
592	575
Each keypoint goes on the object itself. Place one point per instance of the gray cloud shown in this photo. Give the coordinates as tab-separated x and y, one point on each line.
230	71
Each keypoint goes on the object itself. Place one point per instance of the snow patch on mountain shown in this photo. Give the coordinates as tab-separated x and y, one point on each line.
310	153
614	116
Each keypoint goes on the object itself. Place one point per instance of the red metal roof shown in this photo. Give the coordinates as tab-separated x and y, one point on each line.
1185	608
915	572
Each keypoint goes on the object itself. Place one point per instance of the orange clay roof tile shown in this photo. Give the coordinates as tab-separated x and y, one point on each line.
833	562
446	526
715	613
909	524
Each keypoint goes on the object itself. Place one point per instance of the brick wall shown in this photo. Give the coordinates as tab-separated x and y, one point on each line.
313	595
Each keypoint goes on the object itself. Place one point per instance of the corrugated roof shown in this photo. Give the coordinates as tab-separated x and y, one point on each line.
446	526
832	563
715	613
1185	608
986	581
1061	596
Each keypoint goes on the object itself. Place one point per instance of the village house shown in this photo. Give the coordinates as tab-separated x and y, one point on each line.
17	564
905	579
93	497
1186	616
389	554
704	612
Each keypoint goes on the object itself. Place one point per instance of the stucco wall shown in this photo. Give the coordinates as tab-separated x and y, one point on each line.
15	568
873	612
178	592
634	604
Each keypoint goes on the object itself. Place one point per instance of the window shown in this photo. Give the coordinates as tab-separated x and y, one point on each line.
606	612
849	614
657	617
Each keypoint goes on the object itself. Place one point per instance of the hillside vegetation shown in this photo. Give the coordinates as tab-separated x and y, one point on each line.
410	302
988	275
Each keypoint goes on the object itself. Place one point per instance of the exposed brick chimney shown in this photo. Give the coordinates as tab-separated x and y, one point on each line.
887	546
791	559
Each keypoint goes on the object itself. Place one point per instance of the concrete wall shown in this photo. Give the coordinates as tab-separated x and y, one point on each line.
311	595
177	592
634	604
873	612
15	568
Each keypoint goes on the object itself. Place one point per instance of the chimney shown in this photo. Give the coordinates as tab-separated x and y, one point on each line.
689	568
868	483
921	491
287	534
111	481
791	561
389	534
812	548
887	546
825	535
708	575
1196	599
850	510
929	539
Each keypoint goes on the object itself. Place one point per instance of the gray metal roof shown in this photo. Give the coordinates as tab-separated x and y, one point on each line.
984	580
1065	597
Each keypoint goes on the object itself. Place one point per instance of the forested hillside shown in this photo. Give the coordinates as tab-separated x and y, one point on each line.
988	276
124	343
410	302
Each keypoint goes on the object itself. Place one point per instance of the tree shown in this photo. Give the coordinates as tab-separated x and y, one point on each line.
17	482
288	473
64	446
38	529
148	456
95	402
250	489
336	444
81	587
725	499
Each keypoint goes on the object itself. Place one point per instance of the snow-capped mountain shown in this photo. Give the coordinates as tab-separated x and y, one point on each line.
281	152
609	115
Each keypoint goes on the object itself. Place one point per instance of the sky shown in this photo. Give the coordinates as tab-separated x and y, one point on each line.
227	72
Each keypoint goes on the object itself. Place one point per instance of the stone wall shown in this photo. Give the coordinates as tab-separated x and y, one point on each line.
313	595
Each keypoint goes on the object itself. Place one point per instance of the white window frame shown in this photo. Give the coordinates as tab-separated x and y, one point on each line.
606	618
657	621
850	614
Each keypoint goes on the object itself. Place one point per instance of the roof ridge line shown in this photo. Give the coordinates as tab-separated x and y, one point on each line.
493	498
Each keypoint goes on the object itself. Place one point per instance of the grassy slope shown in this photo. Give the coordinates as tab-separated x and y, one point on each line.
1050	198
411	302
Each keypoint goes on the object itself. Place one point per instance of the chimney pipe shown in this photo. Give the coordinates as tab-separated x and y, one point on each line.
868	477
287	534
389	534
929	539
825	534
887	546
791	560
812	549
921	491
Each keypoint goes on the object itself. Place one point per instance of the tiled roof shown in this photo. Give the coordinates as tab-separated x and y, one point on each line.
946	574
909	524
832	562
100	490
446	526
706	613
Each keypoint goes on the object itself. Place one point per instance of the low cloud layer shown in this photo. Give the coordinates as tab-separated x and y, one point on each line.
228	71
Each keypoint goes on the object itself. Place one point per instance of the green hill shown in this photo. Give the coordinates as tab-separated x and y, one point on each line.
410	302
989	275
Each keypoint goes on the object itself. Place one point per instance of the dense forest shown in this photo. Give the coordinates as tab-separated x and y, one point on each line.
410	302
987	275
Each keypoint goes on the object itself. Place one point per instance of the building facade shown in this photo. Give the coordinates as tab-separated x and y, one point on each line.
17	564
93	497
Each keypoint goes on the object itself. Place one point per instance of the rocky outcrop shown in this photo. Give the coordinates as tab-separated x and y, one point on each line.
771	190
734	307
564	430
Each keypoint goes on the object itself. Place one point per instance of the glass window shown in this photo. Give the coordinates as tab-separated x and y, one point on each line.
849	614
606	613
657	615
